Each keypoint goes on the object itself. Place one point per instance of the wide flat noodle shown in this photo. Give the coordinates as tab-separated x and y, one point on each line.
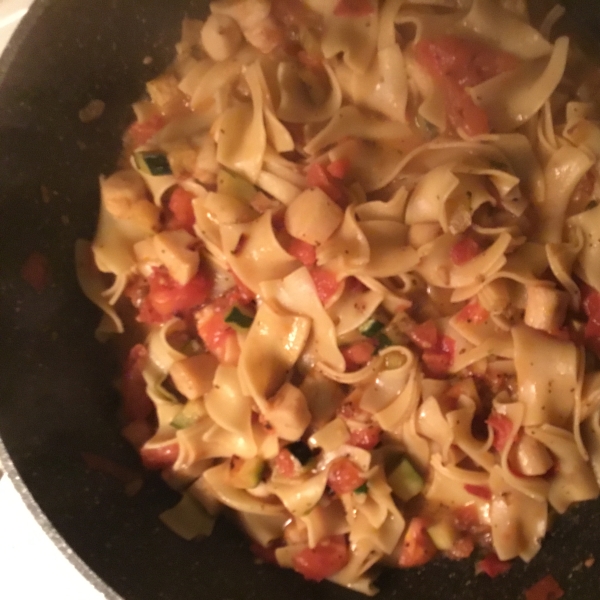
273	345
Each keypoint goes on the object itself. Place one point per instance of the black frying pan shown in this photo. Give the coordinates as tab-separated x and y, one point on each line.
56	397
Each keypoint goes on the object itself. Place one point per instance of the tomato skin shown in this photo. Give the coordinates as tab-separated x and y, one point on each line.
365	437
140	133
324	560
463	251
325	282
358	354
219	338
180	205
36	271
502	427
492	566
160	457
417	547
306	253
353	8
344	476
137	405
473	312
546	588
166	297
481	491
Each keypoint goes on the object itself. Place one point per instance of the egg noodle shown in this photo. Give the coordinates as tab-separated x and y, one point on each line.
363	238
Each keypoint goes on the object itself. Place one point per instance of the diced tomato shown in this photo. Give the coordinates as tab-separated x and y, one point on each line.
358	354
306	253
159	457
166	297
339	168
502	427
591	302
140	133
462	112
219	338
465	62
137	405
492	566
365	437
344	476
318	176
425	335
462	548
325	282
417	547
324	560
437	363
591	307
464	250
353	8
473	312
265	554
182	211
467	517
458	63
481	491
36	271
546	588
285	464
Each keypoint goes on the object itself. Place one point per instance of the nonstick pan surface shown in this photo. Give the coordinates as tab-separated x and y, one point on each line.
56	393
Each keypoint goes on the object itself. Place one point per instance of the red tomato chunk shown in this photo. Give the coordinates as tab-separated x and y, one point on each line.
417	548
36	271
182	211
464	251
353	8
466	62
492	566
358	354
140	133
545	589
166	297
502	427
285	464
473	312
344	476
365	437
481	491
306	253
324	560
325	282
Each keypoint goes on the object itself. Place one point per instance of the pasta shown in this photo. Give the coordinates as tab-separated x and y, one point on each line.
362	238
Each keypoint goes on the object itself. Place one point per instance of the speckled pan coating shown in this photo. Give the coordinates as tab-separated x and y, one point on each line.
56	398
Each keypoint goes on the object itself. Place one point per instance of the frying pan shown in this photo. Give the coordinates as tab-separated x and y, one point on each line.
56	393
